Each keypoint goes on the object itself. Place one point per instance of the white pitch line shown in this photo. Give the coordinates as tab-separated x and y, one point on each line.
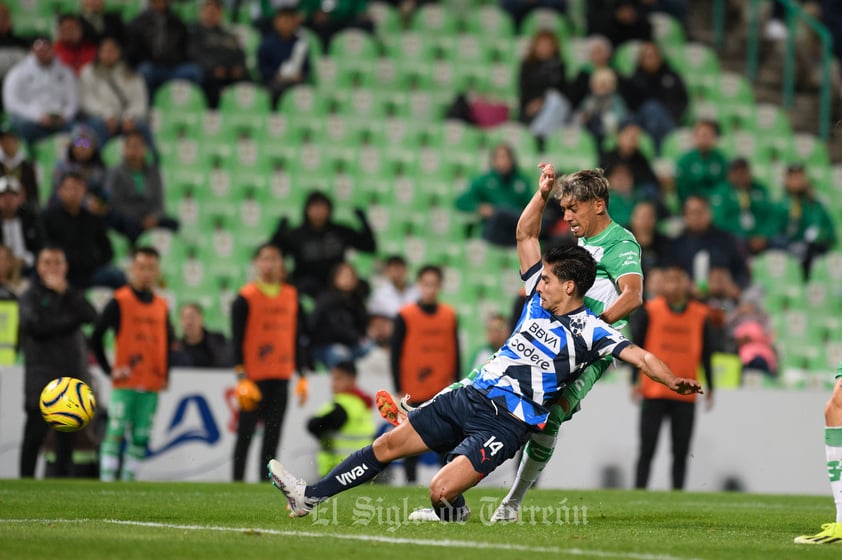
370	538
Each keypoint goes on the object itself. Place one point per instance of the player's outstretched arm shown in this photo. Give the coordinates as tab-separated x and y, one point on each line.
529	224
657	370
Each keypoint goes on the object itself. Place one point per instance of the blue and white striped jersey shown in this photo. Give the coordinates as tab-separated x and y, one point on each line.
543	355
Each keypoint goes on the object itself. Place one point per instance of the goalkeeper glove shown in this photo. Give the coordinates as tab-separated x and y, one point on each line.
248	394
302	390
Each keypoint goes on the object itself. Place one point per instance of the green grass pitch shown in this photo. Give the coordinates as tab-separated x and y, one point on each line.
151	521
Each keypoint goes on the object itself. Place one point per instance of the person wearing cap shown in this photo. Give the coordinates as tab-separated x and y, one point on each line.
218	51
113	96
14	162
804	225
21	228
283	57
40	94
319	243
742	206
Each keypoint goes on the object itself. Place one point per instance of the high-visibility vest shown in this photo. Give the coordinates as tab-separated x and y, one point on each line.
141	342
271	331
356	433
428	354
9	319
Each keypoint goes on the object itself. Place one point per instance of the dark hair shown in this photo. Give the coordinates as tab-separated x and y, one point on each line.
72	175
509	150
571	262
67	17
55	247
266	245
147	250
346	366
435	269
195	305
392	260
584	185
712	124
134	133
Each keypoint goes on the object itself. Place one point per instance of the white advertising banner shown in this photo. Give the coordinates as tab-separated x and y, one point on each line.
764	441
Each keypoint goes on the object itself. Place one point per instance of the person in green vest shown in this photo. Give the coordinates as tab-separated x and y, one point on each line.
497	197
345	424
698	171
742	207
804	225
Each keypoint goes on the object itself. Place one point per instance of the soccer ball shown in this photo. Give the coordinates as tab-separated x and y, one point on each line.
67	404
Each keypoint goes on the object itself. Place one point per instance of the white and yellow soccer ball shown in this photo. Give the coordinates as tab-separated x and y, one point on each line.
67	404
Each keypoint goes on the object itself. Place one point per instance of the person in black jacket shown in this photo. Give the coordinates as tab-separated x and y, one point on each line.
82	235
339	321
200	347
14	162
544	95
157	44
21	228
217	50
97	23
656	93
319	244
627	152
51	316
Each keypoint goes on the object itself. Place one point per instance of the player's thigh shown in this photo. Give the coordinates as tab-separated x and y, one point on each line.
833	409
403	441
119	408
143	415
454	478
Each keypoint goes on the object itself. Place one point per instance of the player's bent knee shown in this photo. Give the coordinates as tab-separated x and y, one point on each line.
833	409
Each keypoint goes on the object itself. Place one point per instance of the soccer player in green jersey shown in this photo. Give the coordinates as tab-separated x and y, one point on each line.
617	291
832	532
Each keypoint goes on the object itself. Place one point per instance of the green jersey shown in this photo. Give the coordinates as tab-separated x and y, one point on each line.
839	371
617	253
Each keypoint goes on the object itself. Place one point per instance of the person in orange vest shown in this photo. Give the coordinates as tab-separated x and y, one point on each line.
143	336
677	330
268	339
425	347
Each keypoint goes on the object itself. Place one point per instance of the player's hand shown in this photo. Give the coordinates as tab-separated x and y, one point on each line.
684	386
248	395
547	180
302	390
119	373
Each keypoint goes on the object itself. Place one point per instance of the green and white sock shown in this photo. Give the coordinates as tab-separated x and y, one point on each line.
108	465
833	451
536	455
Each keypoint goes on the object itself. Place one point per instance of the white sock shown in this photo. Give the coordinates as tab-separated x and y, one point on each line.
130	464
108	467
833	451
536	455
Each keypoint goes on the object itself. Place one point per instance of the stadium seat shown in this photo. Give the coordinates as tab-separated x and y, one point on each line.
387	20
490	20
667	31
780	276
574	148
245	105
774	130
625	57
353	44
676	143
546	19
180	96
810	150
736	100
435	20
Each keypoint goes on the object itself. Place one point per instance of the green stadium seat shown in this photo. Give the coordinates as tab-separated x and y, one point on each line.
387	20
180	96
411	46
698	65
779	274
490	21
736	100
676	143
434	19
625	57
810	150
774	130
541	19
303	100
576	54
647	144
516	135
353	44
245	106
572	148
667	31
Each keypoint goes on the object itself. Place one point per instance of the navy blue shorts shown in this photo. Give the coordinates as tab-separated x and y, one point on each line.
465	422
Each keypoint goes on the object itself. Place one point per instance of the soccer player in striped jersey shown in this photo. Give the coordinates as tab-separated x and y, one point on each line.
486	422
831	533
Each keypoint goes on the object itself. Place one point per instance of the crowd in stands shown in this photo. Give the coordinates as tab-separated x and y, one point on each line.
97	77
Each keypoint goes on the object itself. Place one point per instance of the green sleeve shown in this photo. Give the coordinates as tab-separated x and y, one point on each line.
622	258
471	197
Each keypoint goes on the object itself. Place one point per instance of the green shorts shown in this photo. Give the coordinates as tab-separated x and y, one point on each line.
133	410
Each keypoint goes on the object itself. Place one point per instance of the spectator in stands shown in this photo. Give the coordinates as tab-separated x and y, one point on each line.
71	46
99	23
519	9
113	97
327	18
805	228
394	290
544	93
627	22
654	245
11	279
338	323
700	170
135	190
13	161
753	337
497	332
217	50
742	206
21	228
157	44
599	56
722	295
82	235
84	157
319	243
623	193
603	109
202	348
627	152
13	47
260	12
656	93
40	94
702	246
283	58
497	197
